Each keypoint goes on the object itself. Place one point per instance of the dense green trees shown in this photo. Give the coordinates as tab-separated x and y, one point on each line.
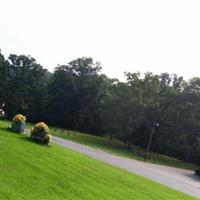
77	96
24	85
4	79
75	92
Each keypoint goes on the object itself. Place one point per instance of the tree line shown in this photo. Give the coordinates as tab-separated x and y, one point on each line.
78	96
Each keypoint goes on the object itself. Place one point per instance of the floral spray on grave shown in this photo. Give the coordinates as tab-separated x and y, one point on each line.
18	123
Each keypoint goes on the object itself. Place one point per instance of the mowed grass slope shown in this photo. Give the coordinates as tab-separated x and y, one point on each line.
32	171
115	146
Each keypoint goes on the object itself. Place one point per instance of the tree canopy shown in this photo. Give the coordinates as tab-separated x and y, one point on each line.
78	96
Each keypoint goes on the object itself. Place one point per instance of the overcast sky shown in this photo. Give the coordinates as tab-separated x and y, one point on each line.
125	35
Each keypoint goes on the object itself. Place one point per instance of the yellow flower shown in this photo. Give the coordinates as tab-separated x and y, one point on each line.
40	126
43	126
19	118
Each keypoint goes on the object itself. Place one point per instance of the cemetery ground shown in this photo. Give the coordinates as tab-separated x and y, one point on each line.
29	170
115	147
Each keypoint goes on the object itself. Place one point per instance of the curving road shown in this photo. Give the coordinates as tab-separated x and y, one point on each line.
178	179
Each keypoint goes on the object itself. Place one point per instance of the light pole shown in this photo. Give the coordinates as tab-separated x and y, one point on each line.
155	124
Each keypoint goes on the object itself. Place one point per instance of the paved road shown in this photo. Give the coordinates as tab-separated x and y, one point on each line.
178	179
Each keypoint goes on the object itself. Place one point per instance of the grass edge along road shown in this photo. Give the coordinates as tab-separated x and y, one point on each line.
33	171
115	147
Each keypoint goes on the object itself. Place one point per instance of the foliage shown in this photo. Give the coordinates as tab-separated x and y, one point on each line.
78	96
74	95
24	87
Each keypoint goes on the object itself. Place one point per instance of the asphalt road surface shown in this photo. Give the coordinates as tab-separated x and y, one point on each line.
179	179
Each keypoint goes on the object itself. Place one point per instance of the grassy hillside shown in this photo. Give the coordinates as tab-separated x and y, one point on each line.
32	171
115	146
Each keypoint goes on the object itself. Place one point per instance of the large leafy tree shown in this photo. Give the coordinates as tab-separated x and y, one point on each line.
27	87
75	94
4	79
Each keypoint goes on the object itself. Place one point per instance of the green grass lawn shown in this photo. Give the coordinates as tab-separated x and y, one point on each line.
115	146
31	171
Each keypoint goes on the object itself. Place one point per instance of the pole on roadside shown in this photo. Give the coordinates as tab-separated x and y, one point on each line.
150	139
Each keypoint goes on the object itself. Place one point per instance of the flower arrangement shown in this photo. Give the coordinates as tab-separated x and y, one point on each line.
19	118
18	123
40	132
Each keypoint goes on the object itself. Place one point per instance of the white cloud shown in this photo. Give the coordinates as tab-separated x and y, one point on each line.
125	35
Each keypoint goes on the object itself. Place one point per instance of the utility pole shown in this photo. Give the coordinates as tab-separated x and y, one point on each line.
150	139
